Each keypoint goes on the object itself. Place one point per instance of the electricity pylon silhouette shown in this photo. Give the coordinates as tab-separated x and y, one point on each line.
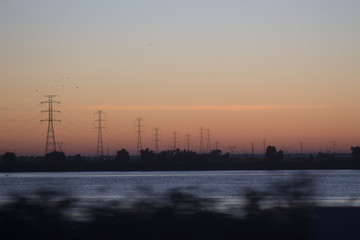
264	144
232	149
201	147
138	130
208	144
100	145
50	137
156	134
217	145
60	144
252	150
174	135
188	136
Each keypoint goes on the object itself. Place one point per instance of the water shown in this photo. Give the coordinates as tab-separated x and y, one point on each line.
330	187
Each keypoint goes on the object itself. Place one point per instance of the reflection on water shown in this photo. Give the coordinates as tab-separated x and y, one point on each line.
330	187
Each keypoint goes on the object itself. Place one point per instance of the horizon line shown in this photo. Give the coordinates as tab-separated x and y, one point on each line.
188	107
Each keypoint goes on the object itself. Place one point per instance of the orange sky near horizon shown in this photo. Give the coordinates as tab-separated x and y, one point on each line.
284	71
283	126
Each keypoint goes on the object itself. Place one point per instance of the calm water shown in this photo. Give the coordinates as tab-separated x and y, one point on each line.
332	187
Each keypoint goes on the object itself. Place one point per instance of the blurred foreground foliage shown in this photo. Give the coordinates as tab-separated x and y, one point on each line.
282	212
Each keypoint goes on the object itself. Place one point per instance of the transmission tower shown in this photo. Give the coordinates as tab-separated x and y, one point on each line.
138	129
201	148
174	136
217	145
100	146
60	144
208	144
50	137
264	143
188	136
232	149
252	150
156	135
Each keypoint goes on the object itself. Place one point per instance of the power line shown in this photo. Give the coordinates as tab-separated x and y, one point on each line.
21	116
50	137
23	134
73	116
26	124
111	135
67	127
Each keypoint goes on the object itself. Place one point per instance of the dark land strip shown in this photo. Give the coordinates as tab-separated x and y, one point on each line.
137	165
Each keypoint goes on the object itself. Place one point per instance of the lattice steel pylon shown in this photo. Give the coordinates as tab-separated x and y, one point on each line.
139	131
208	143
50	136
201	147
156	135
174	136
188	136
217	145
100	145
252	150
232	149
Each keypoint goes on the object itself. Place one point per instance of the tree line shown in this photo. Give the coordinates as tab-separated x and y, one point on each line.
271	153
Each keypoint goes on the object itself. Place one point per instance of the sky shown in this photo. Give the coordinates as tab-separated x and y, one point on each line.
283	71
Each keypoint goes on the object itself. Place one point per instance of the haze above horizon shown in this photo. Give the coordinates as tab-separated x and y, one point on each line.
284	71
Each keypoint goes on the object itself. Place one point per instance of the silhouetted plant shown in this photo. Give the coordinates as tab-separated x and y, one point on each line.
279	155
122	155
55	156
165	155
184	155
147	155
355	152
288	216
215	154
175	215
40	216
9	157
78	158
270	152
322	155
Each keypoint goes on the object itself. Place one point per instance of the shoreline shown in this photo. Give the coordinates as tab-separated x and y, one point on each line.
132	165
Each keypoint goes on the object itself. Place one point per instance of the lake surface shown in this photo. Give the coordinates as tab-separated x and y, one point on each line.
330	187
